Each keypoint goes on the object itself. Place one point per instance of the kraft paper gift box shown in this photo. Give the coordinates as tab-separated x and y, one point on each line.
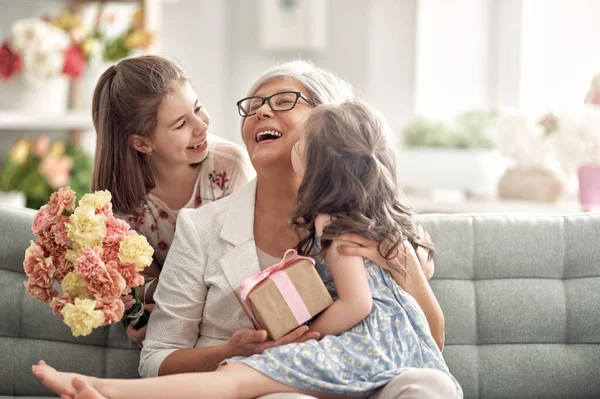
285	296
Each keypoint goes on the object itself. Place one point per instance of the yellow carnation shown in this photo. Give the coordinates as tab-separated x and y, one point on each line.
73	254
136	249
74	285
86	228
81	316
96	200
32	246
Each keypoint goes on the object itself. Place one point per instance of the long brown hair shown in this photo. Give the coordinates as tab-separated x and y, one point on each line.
126	101
350	174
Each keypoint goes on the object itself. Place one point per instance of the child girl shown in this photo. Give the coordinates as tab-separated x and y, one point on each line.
374	330
154	153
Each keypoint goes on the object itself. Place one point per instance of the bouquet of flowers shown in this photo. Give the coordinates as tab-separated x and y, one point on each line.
94	257
40	50
39	167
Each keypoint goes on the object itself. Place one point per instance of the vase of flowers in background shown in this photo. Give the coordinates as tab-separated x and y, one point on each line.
38	167
42	56
37	62
533	174
108	43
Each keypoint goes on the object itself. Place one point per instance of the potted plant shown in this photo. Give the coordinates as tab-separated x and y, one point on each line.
36	168
457	155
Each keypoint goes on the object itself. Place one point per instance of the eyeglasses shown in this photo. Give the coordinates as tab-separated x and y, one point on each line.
283	101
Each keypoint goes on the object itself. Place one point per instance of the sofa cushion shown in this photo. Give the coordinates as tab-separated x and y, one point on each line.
521	300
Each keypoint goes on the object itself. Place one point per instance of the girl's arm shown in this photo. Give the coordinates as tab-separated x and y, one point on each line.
414	282
350	278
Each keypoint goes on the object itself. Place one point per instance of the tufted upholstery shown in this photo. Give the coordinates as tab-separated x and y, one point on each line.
521	297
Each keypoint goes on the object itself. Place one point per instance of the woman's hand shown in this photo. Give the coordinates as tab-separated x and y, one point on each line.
369	249
247	342
138	336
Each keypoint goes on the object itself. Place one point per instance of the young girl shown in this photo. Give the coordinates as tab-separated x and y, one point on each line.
154	153
374	330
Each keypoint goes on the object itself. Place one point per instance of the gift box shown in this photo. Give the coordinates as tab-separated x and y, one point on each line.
285	296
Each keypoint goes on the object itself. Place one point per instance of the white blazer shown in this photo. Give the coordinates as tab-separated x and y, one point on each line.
213	251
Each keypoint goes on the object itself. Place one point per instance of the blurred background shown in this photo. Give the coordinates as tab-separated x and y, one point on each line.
493	104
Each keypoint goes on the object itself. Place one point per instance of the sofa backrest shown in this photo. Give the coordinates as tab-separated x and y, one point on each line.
30	332
521	299
520	295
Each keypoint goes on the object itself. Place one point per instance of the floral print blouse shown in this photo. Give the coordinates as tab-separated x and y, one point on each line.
225	169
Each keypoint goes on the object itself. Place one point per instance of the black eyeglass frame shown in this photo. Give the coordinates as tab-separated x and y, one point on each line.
268	100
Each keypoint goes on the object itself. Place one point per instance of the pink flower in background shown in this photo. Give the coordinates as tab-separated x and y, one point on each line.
89	263
593	95
41	220
61	200
58	303
57	170
10	62
74	61
41	146
113	311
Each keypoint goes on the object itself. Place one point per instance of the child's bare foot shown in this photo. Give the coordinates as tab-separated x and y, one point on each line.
85	390
56	381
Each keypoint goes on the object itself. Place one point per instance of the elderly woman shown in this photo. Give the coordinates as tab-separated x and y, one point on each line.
197	322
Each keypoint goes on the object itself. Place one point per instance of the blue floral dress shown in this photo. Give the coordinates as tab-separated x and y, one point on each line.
394	337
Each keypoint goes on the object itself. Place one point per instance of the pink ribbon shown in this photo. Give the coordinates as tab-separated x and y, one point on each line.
284	285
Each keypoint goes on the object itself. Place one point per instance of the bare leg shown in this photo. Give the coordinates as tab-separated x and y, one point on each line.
235	381
83	390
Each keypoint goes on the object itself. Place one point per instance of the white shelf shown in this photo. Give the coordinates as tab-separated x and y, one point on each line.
429	205
72	120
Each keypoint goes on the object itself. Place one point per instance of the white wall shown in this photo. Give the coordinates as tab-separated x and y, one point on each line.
369	43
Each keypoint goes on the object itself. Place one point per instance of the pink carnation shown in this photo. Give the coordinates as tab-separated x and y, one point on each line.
89	263
59	230
41	221
42	293
46	241
61	200
116	229
107	285
58	303
113	311
106	210
111	253
62	265
39	268
130	273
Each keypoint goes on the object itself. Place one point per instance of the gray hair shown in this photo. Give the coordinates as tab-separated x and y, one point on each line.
323	86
